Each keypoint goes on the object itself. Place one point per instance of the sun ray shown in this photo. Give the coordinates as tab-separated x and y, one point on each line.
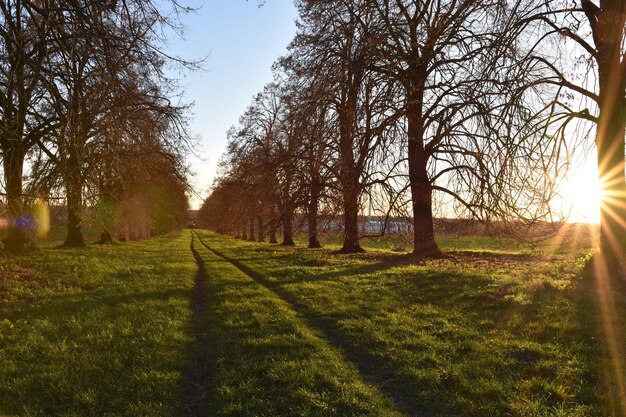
614	373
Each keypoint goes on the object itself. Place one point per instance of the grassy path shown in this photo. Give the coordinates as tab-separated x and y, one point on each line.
162	328
270	362
327	335
198	381
196	324
501	335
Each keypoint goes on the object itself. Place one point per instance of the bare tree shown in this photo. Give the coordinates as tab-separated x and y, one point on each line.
24	31
317	131
106	65
590	35
334	45
430	49
398	96
265	147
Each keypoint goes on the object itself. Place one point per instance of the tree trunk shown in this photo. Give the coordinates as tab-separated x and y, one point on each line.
71	149
349	179
351	219
273	225
251	225
261	229
424	245
610	146
312	215
74	190
273	238
287	219
13	163
610	143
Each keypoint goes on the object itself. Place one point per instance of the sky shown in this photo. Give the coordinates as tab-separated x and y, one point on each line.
241	41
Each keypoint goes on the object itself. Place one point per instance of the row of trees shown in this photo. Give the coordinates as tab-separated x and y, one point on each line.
396	102
84	98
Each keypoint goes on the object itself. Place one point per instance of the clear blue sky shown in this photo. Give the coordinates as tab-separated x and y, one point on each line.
241	40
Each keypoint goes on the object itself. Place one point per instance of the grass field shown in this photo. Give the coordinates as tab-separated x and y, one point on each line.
197	324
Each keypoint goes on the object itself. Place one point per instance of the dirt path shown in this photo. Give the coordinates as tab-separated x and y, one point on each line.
368	366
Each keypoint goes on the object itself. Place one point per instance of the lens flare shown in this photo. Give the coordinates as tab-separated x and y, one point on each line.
609	269
41	213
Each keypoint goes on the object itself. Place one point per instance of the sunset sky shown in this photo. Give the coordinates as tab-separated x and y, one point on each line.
241	41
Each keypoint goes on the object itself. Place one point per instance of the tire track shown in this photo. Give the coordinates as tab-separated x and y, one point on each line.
365	362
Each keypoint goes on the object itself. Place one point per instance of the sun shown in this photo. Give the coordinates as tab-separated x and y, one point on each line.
582	196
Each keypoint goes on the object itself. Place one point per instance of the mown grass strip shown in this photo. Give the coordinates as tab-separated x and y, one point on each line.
508	336
360	358
270	363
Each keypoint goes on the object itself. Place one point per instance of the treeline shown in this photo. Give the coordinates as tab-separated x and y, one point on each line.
399	108
89	117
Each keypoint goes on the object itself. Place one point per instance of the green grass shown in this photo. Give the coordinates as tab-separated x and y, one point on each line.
97	331
569	237
235	328
269	361
498	333
404	243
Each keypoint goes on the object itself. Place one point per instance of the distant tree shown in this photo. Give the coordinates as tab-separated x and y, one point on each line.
334	45
288	145
315	159
220	211
262	133
263	150
245	167
378	99
140	166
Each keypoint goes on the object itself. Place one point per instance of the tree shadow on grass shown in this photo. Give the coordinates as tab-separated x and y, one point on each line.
68	304
198	380
601	307
365	362
453	298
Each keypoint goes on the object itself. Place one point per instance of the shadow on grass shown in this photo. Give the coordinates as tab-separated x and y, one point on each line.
331	275
494	254
532	329
601	307
65	305
198	378
366	363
